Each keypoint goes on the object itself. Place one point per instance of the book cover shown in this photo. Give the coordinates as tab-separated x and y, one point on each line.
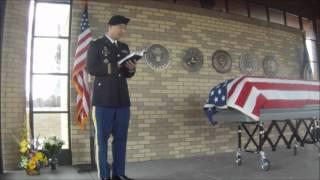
132	56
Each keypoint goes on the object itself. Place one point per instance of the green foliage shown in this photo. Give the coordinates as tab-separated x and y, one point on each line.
52	146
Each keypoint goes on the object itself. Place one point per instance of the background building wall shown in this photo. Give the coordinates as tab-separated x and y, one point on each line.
318	36
13	69
167	118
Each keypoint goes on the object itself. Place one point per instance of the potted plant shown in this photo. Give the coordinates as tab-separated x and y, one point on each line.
52	146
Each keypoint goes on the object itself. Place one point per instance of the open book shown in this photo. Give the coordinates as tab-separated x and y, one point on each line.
132	56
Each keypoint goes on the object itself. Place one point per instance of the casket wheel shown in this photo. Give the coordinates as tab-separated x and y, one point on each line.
238	160
295	149
265	164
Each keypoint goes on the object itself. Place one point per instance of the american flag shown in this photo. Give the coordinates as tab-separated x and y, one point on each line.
249	95
79	74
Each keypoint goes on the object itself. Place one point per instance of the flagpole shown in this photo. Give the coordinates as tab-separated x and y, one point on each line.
92	165
92	134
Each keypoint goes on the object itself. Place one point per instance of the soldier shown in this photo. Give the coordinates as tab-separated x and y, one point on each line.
110	101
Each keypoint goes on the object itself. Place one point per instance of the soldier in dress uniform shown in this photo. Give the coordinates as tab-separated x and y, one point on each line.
110	101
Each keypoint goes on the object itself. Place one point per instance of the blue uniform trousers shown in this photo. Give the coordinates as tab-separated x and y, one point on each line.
113	121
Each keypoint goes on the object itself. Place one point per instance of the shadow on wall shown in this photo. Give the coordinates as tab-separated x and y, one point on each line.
2	5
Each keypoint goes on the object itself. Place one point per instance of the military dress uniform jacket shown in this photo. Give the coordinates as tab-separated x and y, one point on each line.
110	88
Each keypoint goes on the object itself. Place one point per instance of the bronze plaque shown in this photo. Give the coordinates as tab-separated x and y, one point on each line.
192	59
221	61
248	64
270	66
157	57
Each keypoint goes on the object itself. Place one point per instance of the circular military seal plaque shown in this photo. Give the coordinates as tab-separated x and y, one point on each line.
157	57
270	66
192	59
248	64
221	61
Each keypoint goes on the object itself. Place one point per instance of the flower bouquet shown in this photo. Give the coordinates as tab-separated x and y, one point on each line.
31	157
52	146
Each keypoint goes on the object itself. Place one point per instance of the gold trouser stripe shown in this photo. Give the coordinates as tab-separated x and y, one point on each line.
109	68
96	139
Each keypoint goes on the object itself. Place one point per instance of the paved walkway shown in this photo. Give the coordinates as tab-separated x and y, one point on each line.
284	166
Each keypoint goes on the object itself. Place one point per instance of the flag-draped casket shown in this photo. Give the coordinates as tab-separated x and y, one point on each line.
249	94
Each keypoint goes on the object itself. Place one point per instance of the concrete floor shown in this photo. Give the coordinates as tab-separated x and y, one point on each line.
284	166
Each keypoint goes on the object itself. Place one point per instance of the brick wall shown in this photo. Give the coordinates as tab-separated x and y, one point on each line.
318	43
167	118
13	80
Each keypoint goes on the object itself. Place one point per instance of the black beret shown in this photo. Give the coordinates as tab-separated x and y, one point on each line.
118	19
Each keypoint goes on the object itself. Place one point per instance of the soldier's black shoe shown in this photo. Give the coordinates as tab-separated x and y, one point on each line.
121	178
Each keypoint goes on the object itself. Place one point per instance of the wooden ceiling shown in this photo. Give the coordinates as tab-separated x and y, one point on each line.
306	8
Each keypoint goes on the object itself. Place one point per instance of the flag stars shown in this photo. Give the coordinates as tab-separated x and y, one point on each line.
217	99
212	93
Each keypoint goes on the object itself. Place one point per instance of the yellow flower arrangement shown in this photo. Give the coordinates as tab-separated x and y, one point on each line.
32	158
